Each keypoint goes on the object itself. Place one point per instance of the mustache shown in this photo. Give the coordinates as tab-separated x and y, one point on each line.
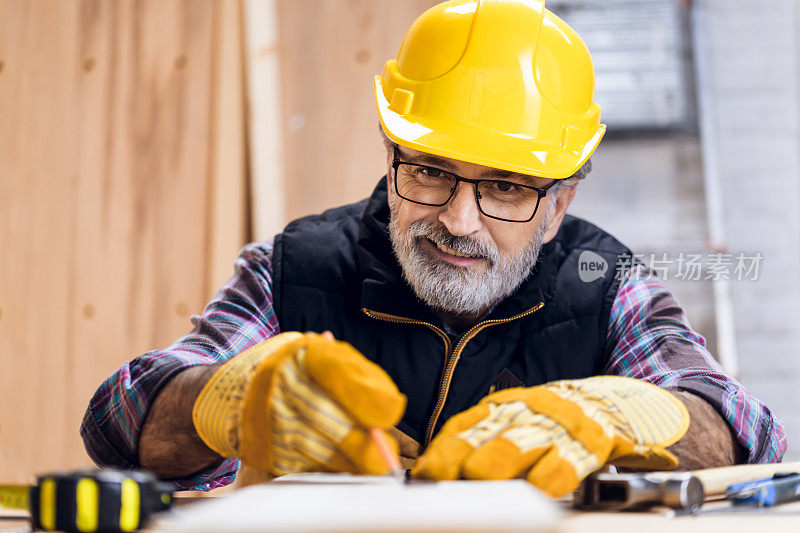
437	233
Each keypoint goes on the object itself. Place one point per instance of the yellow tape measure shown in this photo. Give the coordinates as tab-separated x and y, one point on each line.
91	500
13	497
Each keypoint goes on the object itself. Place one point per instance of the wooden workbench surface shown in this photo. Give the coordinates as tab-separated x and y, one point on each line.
782	518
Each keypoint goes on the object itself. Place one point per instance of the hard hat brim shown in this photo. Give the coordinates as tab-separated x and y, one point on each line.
473	144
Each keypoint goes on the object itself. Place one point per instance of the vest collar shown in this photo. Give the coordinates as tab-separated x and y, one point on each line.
384	289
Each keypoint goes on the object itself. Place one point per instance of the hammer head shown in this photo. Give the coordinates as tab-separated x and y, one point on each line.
678	490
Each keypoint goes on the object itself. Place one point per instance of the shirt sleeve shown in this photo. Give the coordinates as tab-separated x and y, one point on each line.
649	338
239	316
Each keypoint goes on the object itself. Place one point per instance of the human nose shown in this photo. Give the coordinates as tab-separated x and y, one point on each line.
461	215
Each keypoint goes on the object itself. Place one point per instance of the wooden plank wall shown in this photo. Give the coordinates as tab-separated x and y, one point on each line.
330	52
264	117
123	178
110	136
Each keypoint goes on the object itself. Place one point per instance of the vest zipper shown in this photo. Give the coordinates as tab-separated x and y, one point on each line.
452	359
444	387
403	320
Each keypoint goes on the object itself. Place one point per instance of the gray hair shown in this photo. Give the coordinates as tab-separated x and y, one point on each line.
566	183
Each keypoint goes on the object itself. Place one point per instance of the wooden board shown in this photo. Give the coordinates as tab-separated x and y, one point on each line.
229	198
106	149
716	480
264	118
38	187
330	53
340	502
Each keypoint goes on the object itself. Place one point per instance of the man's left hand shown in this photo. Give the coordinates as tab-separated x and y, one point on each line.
558	433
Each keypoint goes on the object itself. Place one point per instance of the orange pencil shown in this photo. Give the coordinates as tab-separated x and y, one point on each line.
388	455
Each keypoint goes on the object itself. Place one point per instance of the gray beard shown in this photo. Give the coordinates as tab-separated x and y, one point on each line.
454	289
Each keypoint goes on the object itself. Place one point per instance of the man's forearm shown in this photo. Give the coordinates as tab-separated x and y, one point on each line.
169	445
709	442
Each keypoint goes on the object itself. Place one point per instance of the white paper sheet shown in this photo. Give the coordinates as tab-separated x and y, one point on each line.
334	502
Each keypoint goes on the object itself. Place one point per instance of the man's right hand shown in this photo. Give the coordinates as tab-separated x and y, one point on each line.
298	403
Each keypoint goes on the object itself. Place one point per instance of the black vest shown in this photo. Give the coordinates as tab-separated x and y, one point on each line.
337	271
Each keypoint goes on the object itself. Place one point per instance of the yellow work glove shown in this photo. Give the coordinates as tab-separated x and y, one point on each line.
299	403
556	434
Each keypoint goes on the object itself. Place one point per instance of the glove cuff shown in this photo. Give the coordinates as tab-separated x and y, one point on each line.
639	412
217	410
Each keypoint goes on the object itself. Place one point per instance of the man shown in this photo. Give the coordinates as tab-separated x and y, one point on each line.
458	280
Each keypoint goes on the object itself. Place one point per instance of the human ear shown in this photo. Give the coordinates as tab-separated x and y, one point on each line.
564	198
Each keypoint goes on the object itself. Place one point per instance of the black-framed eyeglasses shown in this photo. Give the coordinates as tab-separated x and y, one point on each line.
502	199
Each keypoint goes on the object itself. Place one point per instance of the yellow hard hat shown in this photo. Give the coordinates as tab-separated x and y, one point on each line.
501	83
